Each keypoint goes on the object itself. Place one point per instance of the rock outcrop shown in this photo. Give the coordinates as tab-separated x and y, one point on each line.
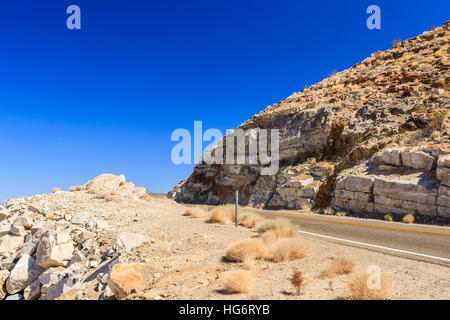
388	113
48	250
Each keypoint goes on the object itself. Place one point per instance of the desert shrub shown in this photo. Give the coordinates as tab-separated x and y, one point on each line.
297	280
395	42
272	224
223	214
195	212
389	217
409	218
248	219
246	250
288	249
359	289
339	266
272	236
238	282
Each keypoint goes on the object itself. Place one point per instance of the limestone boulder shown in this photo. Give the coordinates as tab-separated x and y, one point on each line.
124	278
418	160
422	192
55	249
4	274
128	241
25	271
105	183
10	243
391	157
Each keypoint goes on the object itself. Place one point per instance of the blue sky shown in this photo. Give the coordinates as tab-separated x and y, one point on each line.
106	98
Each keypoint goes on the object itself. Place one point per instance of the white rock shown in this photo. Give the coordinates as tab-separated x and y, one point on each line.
10	243
33	291
80	218
52	254
25	271
128	241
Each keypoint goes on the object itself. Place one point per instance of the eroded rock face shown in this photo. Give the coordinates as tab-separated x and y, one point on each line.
391	108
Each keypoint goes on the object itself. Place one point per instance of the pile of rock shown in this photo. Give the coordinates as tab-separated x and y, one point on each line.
47	251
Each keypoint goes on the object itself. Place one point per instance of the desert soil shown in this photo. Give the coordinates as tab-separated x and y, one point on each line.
184	259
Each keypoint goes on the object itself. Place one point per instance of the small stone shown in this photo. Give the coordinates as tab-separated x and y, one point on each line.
33	291
10	243
4	274
128	241
79	219
124	278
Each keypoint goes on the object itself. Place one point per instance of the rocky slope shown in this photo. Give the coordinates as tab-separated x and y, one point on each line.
52	244
384	121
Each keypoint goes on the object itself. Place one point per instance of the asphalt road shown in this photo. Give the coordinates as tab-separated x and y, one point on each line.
422	239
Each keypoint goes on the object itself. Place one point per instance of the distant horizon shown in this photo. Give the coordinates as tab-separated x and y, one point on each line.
106	98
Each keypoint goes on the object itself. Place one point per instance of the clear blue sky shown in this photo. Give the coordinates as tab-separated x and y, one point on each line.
74	104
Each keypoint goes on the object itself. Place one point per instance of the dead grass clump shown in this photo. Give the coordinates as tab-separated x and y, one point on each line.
288	249
248	219
272	236
339	266
246	250
195	212
238	282
409	218
359	289
297	280
223	214
272	224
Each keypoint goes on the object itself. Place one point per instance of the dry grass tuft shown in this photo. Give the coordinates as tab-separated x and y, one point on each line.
339	266
246	250
272	224
195	212
409	218
248	219
238	282
223	214
288	249
359	289
272	236
297	280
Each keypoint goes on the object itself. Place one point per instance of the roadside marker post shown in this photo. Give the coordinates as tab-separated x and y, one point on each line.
237	203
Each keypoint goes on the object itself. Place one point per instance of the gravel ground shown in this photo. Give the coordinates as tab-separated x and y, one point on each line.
184	259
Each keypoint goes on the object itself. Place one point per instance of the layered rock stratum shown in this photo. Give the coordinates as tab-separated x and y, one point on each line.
371	139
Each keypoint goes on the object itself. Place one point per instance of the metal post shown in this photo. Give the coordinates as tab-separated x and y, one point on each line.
237	203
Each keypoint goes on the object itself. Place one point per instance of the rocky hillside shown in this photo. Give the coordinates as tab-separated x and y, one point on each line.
373	139
53	244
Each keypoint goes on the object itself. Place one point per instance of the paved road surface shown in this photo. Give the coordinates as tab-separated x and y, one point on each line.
422	239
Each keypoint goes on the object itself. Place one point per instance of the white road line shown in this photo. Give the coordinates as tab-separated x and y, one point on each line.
376	246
